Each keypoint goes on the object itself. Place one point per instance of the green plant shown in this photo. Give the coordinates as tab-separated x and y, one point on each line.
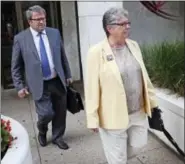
6	137
165	65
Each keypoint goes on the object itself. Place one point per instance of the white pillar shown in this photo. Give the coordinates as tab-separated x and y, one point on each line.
69	29
90	25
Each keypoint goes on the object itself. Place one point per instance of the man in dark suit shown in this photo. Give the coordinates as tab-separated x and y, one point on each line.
38	53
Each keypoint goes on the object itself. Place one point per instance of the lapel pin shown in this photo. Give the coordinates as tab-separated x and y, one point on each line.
109	57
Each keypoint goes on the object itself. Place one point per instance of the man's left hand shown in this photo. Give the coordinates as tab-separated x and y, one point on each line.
69	81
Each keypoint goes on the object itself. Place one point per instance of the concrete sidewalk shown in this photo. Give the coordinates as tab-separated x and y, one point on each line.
85	146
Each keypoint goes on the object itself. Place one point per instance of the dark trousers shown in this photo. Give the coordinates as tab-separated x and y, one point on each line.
52	107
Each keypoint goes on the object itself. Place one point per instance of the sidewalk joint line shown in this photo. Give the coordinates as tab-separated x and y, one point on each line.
30	106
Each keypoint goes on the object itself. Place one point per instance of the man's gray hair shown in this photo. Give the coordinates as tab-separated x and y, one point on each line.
35	8
112	16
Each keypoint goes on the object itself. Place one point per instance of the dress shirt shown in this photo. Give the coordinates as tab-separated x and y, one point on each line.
36	39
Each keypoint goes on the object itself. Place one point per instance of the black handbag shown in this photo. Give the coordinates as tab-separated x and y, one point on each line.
156	122
74	100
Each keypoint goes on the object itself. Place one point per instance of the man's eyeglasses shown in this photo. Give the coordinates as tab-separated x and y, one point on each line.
121	24
39	19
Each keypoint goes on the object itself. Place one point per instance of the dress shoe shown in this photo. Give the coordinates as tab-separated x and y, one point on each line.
42	139
61	144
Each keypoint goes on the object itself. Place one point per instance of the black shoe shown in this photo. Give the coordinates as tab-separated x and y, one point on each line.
42	139
61	144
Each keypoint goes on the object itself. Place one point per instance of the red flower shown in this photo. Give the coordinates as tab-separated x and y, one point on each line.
5	134
2	122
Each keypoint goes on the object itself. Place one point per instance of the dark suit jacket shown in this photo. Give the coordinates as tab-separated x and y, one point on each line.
25	61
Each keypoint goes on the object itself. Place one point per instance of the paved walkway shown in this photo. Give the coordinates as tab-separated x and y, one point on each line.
85	145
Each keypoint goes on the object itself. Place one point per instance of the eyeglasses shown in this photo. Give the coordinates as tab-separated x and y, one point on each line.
39	19
121	24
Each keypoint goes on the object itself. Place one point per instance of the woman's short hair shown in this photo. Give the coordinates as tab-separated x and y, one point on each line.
112	16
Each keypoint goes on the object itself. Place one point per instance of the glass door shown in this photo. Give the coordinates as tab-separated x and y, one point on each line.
9	28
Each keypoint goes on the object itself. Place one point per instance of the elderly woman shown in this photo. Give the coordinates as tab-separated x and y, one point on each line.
118	92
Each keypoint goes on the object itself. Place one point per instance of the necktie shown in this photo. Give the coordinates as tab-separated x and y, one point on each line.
44	59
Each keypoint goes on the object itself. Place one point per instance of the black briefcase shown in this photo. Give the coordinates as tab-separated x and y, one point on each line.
156	122
74	100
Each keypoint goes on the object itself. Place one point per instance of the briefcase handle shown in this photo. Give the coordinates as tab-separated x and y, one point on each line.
70	85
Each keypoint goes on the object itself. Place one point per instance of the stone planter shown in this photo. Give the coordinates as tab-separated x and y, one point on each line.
173	116
19	152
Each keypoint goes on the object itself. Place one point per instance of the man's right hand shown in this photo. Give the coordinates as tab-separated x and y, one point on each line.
23	93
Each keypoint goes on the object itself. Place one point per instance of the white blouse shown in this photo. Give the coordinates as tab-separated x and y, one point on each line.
130	71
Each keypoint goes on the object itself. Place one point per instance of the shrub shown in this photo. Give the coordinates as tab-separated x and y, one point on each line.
165	65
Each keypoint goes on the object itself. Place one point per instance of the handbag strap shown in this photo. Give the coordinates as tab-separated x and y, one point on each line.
170	138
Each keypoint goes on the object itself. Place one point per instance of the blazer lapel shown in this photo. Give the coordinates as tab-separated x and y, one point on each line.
50	39
107	53
31	44
109	57
133	50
